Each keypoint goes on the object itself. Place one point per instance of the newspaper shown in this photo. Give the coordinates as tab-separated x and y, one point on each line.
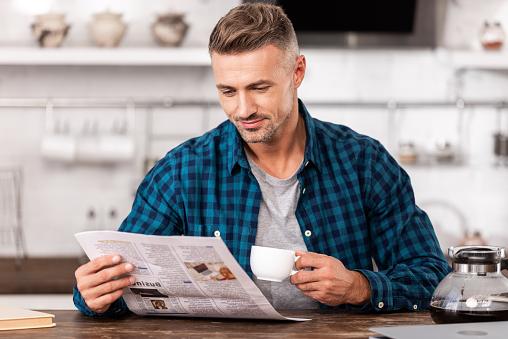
182	276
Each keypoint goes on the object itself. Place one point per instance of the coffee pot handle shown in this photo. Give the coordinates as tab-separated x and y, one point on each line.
504	264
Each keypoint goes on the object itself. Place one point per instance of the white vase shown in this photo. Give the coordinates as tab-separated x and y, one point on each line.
50	29
107	29
169	29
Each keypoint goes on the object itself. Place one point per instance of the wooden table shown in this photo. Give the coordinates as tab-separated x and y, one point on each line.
324	324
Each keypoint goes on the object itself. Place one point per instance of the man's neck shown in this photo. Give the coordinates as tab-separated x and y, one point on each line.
281	157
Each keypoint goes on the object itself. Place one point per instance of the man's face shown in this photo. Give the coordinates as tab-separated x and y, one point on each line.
257	91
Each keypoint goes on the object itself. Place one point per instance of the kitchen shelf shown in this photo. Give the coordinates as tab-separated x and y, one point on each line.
481	60
184	56
89	56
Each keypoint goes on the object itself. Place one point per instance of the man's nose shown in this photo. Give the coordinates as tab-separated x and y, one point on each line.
246	106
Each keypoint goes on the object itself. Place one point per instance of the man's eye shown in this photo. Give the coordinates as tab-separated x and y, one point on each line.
228	93
261	89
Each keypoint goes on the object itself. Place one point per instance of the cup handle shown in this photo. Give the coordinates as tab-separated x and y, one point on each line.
294	270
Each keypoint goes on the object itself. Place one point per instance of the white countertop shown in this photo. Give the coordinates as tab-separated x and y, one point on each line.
38	301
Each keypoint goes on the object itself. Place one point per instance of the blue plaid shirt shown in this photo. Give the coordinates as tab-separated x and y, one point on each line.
356	204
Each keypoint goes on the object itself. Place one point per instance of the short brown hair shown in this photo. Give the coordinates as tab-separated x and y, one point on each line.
250	26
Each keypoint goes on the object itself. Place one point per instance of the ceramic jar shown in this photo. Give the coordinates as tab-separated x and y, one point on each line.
408	154
50	29
492	36
169	29
444	152
107	29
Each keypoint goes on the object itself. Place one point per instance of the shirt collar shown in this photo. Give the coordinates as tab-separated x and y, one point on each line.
312	152
235	149
235	152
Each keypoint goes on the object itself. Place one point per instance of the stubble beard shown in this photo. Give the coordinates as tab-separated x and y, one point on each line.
263	134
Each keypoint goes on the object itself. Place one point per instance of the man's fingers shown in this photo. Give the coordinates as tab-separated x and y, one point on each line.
316	295
310	260
102	303
299	253
99	282
98	264
111	273
312	286
305	277
108	287
104	276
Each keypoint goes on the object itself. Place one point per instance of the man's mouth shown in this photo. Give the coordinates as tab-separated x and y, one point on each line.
252	124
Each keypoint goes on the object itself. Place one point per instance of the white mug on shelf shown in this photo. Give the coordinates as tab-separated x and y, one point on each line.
105	149
59	147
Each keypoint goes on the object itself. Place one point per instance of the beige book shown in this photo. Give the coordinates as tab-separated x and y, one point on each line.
17	318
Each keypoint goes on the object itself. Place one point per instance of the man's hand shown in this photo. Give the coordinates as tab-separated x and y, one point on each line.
330	282
98	281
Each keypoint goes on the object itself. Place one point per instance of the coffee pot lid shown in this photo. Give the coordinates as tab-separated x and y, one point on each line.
476	254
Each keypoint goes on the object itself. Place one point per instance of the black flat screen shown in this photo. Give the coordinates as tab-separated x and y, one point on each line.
389	16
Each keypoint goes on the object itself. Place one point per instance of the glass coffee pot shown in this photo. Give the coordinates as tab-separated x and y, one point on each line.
476	290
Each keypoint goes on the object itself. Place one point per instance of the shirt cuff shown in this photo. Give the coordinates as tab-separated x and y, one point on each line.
381	299
116	309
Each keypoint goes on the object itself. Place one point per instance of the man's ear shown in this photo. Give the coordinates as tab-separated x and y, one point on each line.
299	72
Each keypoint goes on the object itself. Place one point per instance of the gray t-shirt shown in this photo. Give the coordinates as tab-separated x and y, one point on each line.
278	227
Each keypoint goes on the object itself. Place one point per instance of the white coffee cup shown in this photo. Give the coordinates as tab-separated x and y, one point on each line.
272	264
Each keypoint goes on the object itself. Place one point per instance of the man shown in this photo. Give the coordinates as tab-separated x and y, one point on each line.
273	176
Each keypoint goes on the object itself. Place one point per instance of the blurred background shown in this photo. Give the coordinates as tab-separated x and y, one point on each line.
93	93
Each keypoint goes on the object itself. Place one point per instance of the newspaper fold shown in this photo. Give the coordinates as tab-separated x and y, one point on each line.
182	276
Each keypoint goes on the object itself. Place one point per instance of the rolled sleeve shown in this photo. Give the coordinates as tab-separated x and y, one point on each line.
381	298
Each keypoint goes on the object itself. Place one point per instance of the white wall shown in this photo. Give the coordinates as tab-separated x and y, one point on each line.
56	197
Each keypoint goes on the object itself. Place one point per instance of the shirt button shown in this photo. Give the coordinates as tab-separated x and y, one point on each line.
415	307
306	163
308	233
303	191
380	304
216	233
